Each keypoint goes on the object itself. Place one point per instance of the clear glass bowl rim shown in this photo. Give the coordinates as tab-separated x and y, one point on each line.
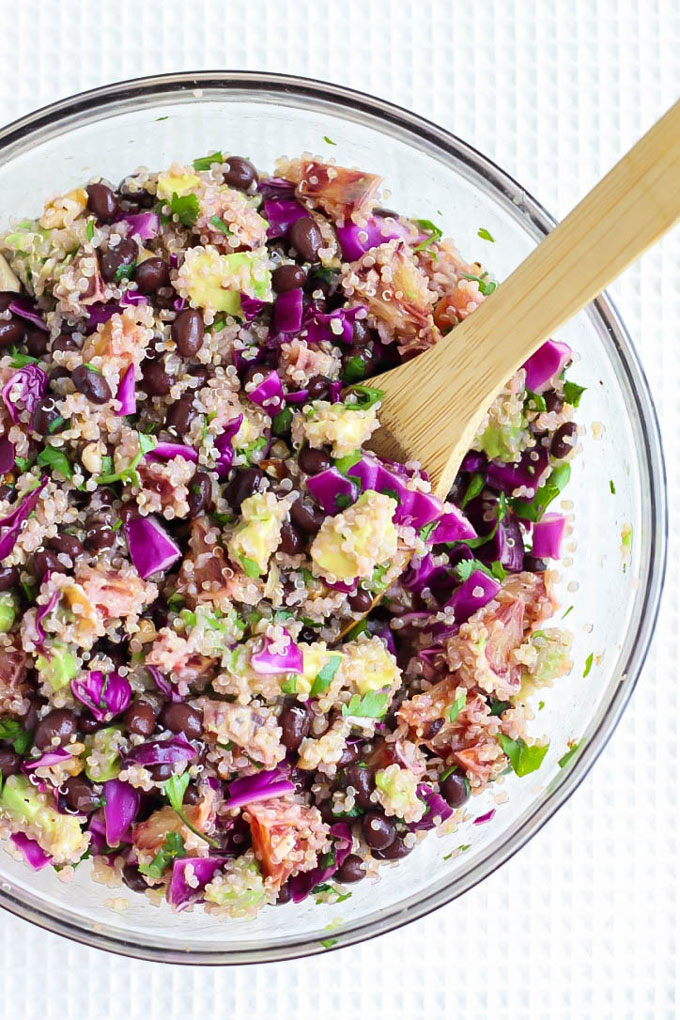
653	568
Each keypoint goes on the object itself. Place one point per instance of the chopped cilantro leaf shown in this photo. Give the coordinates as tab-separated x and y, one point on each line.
89	232
534	401
497	707
486	286
56	460
250	567
185	208
484	234
22	464
124	272
329	943
524	758
589	664
342	501
282	421
373	705
21	738
566	758
457	707
534	510
541	706
21	360
475	486
55	425
171	850
498	570
377	584
573	393
565	614
434	232
205	162
612	487
360	627
329	141
289	686
355	370
367	397
176	601
175	788
427	530
220	225
325	676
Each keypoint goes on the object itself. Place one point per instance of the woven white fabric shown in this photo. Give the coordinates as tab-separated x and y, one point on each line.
585	921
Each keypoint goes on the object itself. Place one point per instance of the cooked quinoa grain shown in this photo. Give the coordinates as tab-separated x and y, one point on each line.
191	530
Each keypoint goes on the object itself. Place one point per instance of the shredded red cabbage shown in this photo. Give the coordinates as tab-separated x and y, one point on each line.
261	786
545	365
179	893
162	752
288	311
413	506
268	662
506	545
276	187
164	685
145	225
436	808
120	810
24	390
485	818
105	695
453	526
332	490
48	758
527	473
301	885
251	307
297	397
473	594
167	451
333	326
224	446
13	522
151	548
126	393
547	537
7	455
32	851
98	314
268	394
355	240
25	310
281	214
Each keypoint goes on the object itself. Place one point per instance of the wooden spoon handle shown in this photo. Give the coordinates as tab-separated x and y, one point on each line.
436	419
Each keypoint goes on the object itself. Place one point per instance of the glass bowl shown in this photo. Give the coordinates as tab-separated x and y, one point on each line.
614	586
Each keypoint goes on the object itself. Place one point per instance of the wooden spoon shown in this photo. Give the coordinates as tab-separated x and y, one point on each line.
434	404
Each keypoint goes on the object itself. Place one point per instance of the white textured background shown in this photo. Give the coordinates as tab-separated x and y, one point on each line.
584	922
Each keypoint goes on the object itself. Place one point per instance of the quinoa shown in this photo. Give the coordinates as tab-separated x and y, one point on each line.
192	534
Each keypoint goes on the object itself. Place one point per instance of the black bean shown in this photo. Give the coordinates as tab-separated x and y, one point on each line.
200	494
292	541
64	342
36	341
553	402
80	795
44	560
9	578
394	852
535	565
29	720
102	202
455	789
305	237
306	516
55	729
363	781
361	332
134	879
156	381
283	896
87	723
182	718
352	869
313	461
115	260
151	274
10	762
11	331
68	544
188	332
133	193
361	602
140	718
46	420
128	510
98	536
181	414
91	384
294	722
288	277
7	492
159	773
6	299
318	387
564	440
379	832
350	754
238	172
200	372
245	482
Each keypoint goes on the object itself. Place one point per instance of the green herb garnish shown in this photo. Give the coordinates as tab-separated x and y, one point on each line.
573	393
589	664
89	232
427	530
205	162
373	705
367	397
185	208
329	141
536	399
475	486
457	707
171	850
289	686
484	234
545	495
612	487
175	788
282	421
55	460
497	707
486	286
355	370
250	567
434	233
124	272
343	464
220	225
566	758
21	360
13	731
325	676
524	758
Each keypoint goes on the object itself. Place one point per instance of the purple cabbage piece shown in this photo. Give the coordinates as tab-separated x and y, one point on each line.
164	685
335	391
133	298
32	851
32	383
453	526
105	695
355	240
268	394
7	455
414	507
473	594
337	326
12	523
25	310
508	477
162	752
224	446
145	225
288	311
436	808
167	451
180	303
120	810
332	490
418	572
276	187
301	885
179	893
173	259
98	314
506	546
547	537
49	758
388	637
268	663
126	393
473	462
349	587
261	786
297	397
485	818
545	365
151	548
281	214
251	307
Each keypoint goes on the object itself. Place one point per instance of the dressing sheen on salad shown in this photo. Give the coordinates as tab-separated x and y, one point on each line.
192	527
